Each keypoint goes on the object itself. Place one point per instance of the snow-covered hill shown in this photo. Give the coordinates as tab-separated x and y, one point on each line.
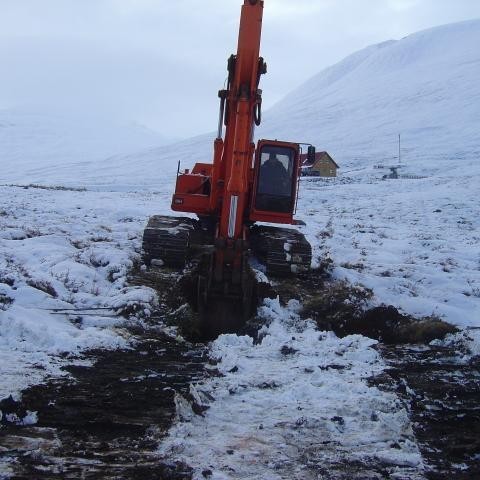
38	146
424	87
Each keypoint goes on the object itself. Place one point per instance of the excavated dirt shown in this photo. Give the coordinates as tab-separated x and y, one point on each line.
177	294
342	308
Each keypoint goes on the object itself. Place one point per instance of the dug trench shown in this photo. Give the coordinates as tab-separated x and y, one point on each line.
105	420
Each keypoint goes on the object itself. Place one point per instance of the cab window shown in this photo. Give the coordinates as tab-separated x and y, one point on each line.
275	186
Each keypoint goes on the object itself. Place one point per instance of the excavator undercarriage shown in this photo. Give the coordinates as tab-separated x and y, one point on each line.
187	246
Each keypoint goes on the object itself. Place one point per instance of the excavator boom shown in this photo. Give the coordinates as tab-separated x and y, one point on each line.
243	98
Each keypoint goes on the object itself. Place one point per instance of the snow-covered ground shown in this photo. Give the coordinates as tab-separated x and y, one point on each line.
413	242
62	250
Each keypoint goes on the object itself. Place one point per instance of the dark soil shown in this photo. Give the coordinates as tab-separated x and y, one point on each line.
442	394
179	308
105	421
97	424
342	308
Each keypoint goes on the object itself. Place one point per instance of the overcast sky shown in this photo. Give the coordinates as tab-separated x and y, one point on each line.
160	62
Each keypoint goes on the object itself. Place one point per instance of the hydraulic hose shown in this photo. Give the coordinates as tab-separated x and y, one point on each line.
257	113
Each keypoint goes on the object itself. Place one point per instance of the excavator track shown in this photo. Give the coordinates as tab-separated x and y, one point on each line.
167	240
285	252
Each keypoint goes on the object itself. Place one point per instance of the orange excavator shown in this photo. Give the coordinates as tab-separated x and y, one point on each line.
245	184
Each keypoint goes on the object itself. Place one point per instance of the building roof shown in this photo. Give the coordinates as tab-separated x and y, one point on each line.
318	155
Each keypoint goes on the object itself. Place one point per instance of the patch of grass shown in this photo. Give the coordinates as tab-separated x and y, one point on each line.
335	302
97	262
474	290
32	232
43	286
114	273
100	238
71	285
78	244
353	266
341	307
8	280
50	187
325	263
5	301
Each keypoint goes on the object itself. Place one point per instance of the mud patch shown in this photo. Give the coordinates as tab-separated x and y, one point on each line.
441	392
174	293
105	421
389	326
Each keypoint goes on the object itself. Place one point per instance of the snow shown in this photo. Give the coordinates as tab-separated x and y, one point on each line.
418	250
423	86
31	418
294	404
37	145
466	343
64	257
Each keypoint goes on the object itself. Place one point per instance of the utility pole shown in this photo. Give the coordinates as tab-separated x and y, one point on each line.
399	149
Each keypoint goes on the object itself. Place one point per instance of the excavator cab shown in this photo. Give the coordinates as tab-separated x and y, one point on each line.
275	175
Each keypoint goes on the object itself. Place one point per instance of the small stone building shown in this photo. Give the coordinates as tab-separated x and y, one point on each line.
323	166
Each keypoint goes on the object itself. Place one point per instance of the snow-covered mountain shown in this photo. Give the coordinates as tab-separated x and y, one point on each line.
424	86
37	146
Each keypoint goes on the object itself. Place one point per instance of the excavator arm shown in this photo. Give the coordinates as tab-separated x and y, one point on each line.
243	99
